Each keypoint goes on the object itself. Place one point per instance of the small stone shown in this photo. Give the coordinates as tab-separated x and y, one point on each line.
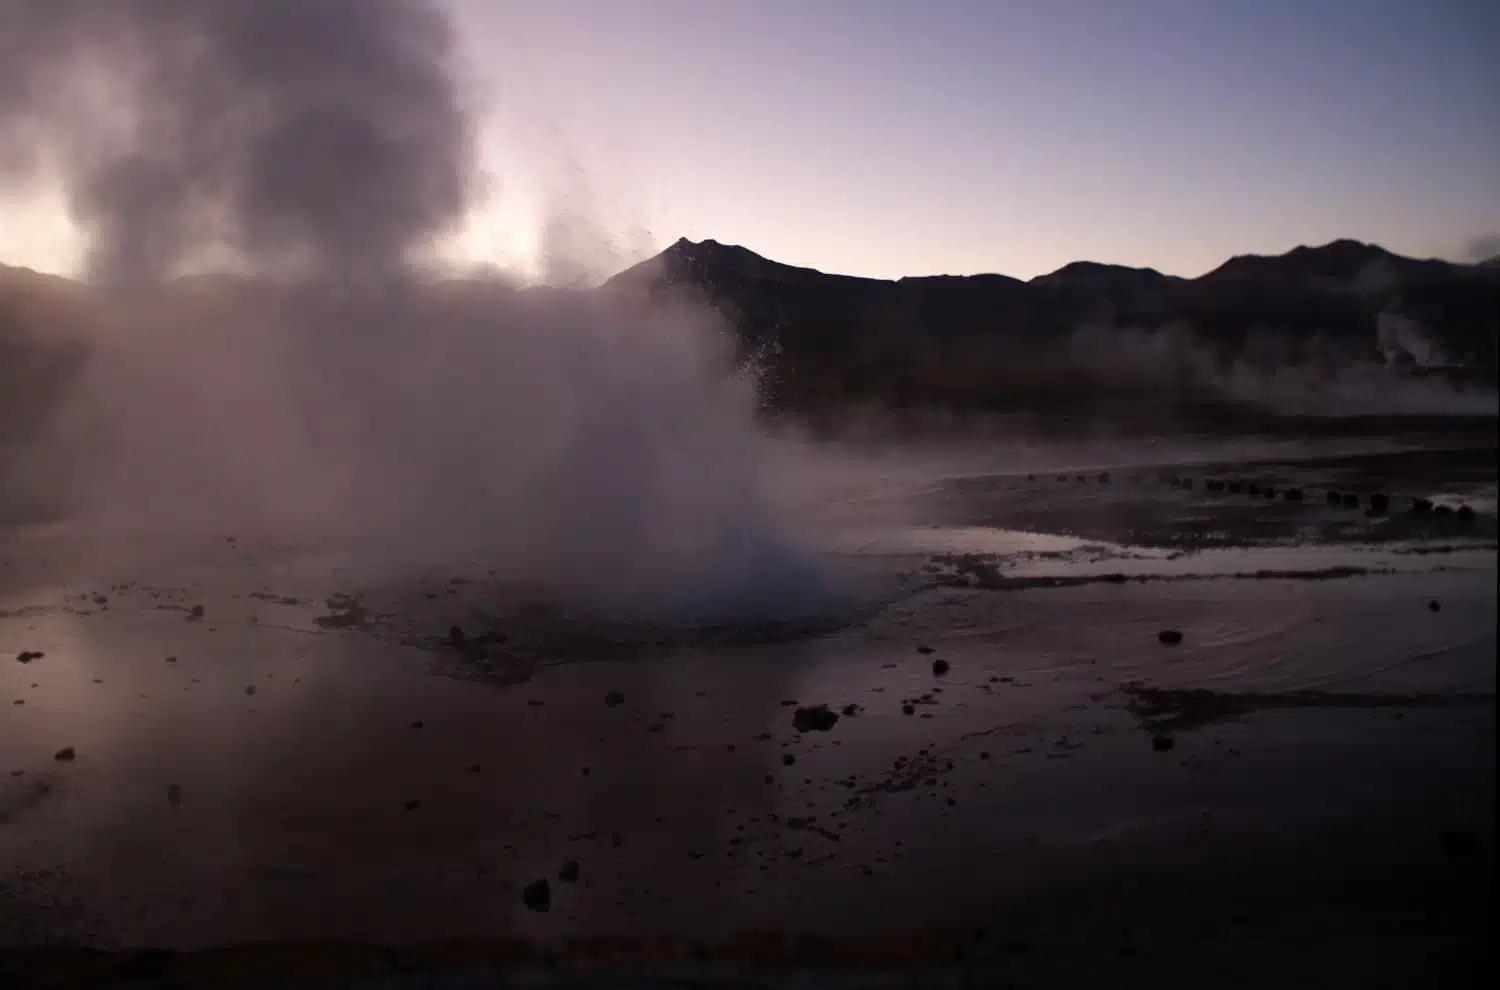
455	636
413	805
1435	605
26	656
569	871
250	689
196	613
1334	498
1170	637
1464	514
171	659
851	710
817	718
614	699
474	768
65	755
1161	742
924	650
417	724
908	710
939	667
174	795
788	759
538	896
1293	495
1351	501
1379	504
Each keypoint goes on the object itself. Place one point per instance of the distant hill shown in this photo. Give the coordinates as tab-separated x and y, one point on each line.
971	340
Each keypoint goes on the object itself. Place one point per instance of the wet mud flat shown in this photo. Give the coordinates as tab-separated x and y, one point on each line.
1366	497
249	765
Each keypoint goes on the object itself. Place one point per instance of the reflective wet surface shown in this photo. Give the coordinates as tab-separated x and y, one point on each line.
225	741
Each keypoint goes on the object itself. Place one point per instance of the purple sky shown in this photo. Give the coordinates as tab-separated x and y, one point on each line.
888	138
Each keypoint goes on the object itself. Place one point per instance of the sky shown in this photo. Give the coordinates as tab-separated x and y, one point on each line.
896	137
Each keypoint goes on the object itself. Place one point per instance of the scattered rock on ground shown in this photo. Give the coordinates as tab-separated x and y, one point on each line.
817	718
924	650
940	667
1170	637
65	754
538	896
787	759
26	656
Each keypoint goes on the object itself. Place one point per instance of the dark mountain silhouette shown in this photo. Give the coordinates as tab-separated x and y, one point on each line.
976	340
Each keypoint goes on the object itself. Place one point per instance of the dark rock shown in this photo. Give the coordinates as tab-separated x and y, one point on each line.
1214	486
1421	506
196	613
787	759
1186	484
538	896
1293	495
1465	514
924	650
1351	501
65	755
1252	489
1459	844
1161	742
1080	479
1380	504
474	767
26	656
1269	494
174	795
1235	488
1334	498
850	710
908	710
940	667
250	689
1434	606
569	871
614	699
1170	637
1031	477
417	724
817	718
1104	478
413	805
455	636
1442	511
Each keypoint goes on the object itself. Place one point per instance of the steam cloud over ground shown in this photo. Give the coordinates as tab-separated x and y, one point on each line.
322	147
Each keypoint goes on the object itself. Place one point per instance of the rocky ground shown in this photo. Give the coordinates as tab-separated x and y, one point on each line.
1110	724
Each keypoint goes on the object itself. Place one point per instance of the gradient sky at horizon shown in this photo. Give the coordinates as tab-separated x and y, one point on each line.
892	137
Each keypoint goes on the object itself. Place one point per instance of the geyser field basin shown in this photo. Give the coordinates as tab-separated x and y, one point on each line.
292	764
